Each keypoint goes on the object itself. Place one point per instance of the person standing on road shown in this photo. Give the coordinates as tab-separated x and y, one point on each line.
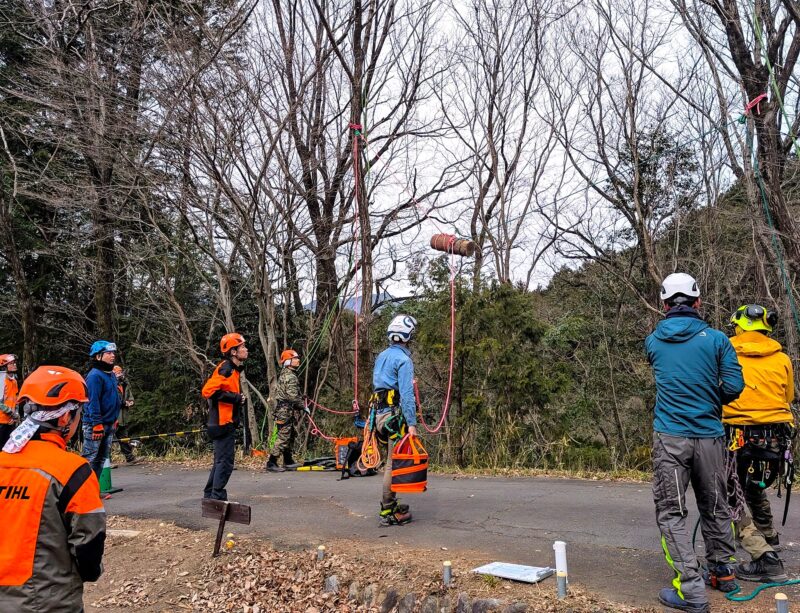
54	524
126	397
288	407
225	401
9	387
394	407
102	410
696	372
760	428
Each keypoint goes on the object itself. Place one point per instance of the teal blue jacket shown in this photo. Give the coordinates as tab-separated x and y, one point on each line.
696	372
395	370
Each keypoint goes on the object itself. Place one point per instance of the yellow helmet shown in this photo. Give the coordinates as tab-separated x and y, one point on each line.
754	317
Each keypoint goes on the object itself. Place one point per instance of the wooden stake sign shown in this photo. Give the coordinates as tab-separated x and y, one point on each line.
224	510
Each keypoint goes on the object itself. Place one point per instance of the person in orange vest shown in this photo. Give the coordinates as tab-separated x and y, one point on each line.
225	401
9	387
53	520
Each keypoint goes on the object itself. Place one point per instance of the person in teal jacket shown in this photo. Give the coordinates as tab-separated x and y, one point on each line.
393	387
696	371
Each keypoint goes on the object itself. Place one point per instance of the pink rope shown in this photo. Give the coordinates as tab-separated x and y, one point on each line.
319	406
356	220
452	352
317	432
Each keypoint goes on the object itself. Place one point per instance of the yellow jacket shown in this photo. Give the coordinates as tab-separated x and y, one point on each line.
769	382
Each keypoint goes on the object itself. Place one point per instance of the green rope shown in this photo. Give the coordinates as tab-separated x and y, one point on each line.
773	81
777	247
732	596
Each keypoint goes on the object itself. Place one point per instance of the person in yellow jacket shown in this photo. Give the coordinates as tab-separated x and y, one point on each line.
760	428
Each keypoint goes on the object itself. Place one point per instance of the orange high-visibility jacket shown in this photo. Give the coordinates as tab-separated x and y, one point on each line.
9	398
222	390
769	382
53	527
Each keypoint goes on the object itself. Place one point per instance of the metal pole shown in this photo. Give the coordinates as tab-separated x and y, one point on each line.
781	603
320	552
447	573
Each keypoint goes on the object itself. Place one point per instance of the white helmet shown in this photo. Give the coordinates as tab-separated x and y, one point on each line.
401	329
679	284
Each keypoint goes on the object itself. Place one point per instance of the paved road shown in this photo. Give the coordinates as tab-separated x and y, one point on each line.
613	545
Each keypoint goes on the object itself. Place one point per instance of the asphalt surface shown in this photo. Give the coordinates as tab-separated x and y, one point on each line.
612	542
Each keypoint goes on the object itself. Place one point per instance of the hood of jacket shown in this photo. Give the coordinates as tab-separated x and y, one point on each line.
679	328
755	344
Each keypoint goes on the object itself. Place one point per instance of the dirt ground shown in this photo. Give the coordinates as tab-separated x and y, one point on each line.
169	568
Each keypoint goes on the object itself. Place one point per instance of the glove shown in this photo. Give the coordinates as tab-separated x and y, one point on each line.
97	432
116	424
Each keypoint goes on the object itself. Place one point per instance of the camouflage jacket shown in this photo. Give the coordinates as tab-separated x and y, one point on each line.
287	390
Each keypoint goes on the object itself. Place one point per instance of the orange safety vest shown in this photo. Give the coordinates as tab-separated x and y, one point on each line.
221	389
54	527
10	392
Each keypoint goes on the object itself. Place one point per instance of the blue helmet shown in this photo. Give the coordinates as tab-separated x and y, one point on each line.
101	347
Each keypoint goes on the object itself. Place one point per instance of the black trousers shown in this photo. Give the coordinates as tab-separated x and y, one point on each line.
125	446
224	447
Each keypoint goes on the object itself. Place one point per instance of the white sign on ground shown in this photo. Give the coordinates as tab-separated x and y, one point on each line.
515	572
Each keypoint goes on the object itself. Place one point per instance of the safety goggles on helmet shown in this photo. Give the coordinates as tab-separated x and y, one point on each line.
754	317
102	347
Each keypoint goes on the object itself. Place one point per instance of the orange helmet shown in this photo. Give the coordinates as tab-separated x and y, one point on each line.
288	355
6	359
230	341
50	386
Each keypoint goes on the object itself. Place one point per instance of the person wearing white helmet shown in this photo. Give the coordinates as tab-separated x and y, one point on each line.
696	372
394	408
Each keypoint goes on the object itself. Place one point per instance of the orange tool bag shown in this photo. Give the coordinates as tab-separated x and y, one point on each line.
409	466
341	450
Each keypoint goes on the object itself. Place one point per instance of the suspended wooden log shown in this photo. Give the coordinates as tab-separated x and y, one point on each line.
450	244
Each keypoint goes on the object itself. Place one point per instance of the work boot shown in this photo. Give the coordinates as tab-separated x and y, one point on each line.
774	542
394	514
766	569
289	463
721	577
669	598
272	465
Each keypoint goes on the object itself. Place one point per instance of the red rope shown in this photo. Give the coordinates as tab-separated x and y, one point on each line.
317	432
319	406
452	351
356	134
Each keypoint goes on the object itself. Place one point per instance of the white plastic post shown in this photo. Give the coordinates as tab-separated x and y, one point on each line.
447	573
560	547
781	603
320	552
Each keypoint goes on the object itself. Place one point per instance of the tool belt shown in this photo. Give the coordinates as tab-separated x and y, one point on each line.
763	451
767	441
383	401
